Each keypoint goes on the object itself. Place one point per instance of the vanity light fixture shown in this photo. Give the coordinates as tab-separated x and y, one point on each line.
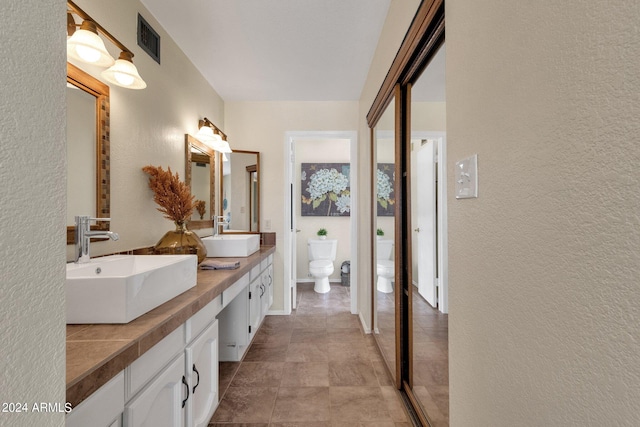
85	45
212	136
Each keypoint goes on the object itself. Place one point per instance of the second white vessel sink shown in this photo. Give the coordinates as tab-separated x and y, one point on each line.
120	288
231	245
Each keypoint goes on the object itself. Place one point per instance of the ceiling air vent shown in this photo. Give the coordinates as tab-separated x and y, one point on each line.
148	39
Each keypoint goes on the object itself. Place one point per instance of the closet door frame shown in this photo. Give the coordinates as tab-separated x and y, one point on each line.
425	35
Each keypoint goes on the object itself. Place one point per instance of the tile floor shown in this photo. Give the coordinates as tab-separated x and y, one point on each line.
314	368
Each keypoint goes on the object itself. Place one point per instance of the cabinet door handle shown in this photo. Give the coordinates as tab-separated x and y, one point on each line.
270	280
184	381
198	380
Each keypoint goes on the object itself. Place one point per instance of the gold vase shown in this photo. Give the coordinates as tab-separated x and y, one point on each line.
181	241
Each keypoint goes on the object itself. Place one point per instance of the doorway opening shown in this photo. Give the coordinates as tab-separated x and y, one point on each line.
318	165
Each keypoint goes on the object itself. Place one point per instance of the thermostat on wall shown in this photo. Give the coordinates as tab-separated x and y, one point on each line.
467	178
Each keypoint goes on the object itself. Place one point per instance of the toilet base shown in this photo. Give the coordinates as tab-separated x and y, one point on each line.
384	285
322	285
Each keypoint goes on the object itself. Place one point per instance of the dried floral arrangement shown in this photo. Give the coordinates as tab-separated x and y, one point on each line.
172	195
201	207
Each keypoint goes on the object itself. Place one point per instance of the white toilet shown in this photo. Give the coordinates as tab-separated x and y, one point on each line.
322	253
385	265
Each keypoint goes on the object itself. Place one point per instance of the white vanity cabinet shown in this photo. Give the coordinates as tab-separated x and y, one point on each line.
163	400
175	383
103	408
202	365
242	316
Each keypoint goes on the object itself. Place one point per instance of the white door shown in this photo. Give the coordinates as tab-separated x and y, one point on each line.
162	403
295	203
426	230
202	364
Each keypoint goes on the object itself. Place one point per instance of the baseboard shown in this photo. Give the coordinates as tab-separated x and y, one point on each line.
363	323
278	313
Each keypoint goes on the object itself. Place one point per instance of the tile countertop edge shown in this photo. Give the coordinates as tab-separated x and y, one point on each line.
164	319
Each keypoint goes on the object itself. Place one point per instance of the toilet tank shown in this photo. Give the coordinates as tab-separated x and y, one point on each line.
384	249
322	249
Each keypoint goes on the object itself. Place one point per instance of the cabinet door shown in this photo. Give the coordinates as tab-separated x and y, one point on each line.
162	402
202	369
265	293
255	306
270	284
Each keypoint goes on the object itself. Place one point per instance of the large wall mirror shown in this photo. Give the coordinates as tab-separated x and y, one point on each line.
200	177
240	191
88	181
384	197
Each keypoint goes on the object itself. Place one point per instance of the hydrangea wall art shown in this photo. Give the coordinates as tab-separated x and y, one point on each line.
325	189
384	188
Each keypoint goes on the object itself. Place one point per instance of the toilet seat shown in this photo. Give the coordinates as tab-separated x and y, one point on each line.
320	263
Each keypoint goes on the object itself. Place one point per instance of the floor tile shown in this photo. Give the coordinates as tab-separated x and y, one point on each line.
357	404
246	404
305	374
301	404
259	374
352	373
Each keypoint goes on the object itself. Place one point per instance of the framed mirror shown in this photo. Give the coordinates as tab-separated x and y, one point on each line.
240	191
200	177
88	156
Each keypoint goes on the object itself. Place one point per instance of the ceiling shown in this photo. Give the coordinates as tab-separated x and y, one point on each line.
277	50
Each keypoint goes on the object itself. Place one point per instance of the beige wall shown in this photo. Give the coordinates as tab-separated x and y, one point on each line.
544	271
338	228
261	126
32	217
148	126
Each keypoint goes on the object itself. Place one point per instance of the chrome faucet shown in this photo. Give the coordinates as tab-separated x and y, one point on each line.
84	234
218	221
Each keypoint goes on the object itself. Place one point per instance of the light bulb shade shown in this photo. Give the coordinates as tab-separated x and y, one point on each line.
222	147
85	45
123	73
206	135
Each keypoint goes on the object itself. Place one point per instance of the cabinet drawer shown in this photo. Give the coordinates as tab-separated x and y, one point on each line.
102	407
255	272
146	366
230	293
201	319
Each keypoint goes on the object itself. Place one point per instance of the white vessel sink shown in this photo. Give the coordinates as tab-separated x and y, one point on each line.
231	245
120	288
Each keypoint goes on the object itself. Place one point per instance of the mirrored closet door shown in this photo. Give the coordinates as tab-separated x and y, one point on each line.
414	86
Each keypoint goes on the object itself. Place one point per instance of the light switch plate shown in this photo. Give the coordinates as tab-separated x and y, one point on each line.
467	178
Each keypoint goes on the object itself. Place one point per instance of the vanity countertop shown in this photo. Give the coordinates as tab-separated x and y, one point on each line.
96	353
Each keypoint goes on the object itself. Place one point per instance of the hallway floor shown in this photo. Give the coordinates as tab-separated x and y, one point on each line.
314	368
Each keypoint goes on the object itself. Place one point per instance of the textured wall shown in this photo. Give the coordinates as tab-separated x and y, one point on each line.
148	126
544	269
32	222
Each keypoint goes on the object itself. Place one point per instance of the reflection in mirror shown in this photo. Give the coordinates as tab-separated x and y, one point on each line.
384	230
430	382
88	168
200	177
240	191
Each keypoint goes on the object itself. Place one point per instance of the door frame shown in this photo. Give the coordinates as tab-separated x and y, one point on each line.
289	214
